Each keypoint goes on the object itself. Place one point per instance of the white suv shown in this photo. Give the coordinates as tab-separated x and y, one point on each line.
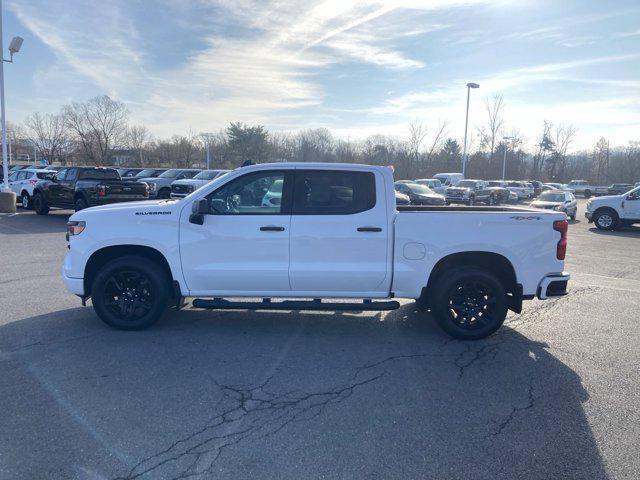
21	182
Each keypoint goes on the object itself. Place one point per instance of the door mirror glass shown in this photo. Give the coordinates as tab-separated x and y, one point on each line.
200	207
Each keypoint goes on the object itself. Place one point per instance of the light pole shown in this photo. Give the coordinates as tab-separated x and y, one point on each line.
14	47
470	85
504	160
207	140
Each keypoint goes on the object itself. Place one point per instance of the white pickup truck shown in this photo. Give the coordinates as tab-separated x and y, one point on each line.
613	211
334	234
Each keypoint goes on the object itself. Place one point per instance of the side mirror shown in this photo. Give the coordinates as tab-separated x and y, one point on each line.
199	209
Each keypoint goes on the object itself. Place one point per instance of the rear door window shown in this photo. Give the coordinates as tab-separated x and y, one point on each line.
333	192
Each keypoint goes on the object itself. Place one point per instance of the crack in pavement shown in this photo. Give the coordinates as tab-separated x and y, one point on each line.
252	412
514	412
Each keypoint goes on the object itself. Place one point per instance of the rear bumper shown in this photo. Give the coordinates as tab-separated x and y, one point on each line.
554	285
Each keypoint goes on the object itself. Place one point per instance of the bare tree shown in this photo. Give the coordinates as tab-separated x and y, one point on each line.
137	139
437	140
49	134
562	136
489	135
98	126
417	134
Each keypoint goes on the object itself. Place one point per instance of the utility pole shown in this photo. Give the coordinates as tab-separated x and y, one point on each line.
470	85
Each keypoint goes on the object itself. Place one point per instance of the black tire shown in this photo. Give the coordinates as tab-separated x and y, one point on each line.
40	204
492	200
606	220
25	201
164	193
471	201
130	293
573	216
587	193
481	303
80	204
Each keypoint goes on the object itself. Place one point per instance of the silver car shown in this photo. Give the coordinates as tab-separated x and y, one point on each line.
558	200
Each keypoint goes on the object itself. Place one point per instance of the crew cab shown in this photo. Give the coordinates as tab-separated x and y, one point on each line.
82	187
584	188
337	234
611	212
470	192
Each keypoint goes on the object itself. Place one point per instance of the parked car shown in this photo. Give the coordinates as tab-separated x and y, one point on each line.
339	234
128	172
150	173
433	183
584	188
559	201
182	188
611	212
471	192
537	187
619	188
419	194
402	199
22	183
502	191
160	186
531	191
448	179
519	188
82	187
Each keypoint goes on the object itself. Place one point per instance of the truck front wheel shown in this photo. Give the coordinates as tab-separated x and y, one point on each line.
606	220
469	303
130	293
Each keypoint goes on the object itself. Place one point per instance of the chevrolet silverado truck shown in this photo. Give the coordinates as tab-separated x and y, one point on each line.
336	241
611	212
82	187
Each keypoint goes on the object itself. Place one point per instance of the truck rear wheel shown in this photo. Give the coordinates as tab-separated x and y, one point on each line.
130	293
80	204
40	204
469	303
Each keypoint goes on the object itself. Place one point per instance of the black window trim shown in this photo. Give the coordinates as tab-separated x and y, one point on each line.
287	191
299	171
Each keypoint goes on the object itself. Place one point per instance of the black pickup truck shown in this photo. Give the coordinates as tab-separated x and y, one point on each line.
82	187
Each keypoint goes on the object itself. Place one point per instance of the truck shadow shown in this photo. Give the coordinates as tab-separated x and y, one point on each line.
373	396
26	222
631	232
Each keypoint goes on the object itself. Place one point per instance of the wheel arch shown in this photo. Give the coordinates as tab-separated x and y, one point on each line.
497	264
102	256
606	208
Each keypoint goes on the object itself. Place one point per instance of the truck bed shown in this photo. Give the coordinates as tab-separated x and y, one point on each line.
462	208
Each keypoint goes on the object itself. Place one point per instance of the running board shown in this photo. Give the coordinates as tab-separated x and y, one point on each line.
317	304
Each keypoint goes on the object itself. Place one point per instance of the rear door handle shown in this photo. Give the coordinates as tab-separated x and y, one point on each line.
271	228
369	229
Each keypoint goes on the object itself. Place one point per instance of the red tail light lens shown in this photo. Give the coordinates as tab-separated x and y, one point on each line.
146	190
33	182
102	191
561	249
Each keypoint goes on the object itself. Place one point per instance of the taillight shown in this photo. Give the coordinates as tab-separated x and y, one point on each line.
33	182
561	249
102	190
146	190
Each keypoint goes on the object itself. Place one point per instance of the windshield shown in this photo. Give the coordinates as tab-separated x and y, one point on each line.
466	183
495	184
207	175
551	197
173	173
147	172
421	189
515	184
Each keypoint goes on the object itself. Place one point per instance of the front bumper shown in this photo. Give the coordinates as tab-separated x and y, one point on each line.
589	216
74	285
554	285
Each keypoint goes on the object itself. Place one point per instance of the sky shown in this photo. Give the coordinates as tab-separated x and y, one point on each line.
355	67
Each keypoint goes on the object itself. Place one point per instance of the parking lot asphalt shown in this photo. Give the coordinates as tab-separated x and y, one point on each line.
278	395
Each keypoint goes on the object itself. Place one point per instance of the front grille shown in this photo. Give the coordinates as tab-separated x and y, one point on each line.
181	188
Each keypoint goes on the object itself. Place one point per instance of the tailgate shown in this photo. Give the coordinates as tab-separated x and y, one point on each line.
121	190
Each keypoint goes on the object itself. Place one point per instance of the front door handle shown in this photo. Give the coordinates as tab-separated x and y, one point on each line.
369	229
271	228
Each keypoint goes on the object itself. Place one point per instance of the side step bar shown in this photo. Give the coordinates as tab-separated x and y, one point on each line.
317	304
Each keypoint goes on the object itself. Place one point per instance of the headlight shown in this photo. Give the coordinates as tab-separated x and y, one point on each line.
75	228
152	187
558	207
